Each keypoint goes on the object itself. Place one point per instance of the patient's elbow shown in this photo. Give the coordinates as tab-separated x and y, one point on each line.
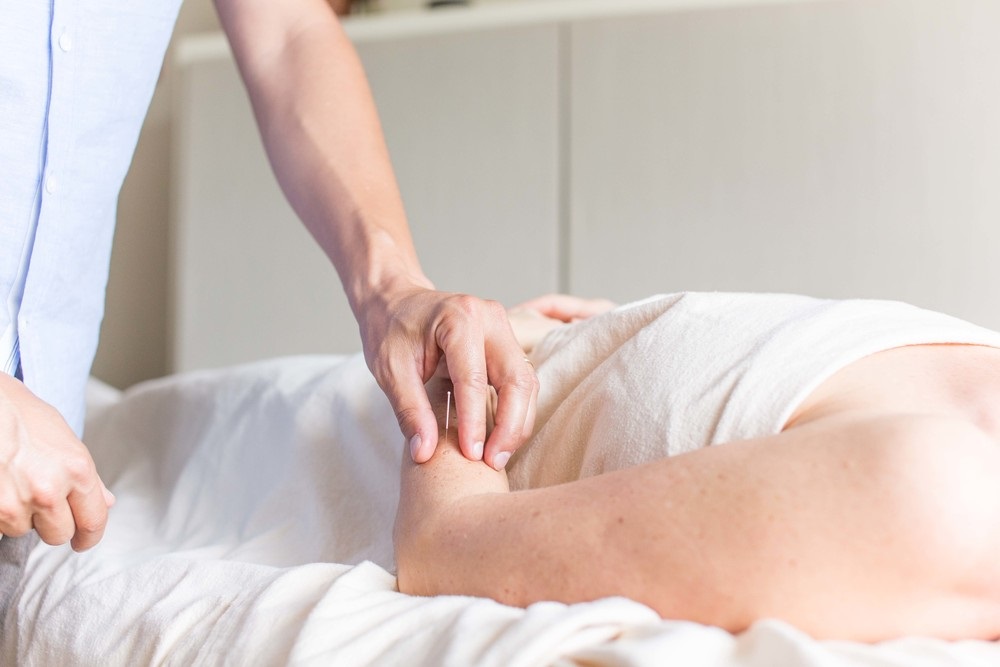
428	561
417	556
410	572
441	555
431	572
412	579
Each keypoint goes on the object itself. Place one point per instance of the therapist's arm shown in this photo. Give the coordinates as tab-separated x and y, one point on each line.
323	137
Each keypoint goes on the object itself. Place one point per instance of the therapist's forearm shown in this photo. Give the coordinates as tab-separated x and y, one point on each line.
322	134
323	138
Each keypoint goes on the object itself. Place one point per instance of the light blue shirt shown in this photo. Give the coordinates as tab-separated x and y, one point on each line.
76	78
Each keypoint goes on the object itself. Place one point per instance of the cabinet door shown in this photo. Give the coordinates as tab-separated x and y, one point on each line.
839	149
471	126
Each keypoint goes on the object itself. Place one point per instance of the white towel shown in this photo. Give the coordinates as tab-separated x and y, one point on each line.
250	497
673	373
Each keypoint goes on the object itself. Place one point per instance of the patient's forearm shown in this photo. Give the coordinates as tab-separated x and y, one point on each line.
460	531
825	526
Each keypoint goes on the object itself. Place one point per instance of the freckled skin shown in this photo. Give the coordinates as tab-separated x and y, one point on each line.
827	525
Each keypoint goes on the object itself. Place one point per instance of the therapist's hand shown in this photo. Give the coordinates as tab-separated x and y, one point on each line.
408	332
47	477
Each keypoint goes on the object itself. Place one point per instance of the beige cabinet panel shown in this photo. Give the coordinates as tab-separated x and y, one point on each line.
471	122
471	119
840	149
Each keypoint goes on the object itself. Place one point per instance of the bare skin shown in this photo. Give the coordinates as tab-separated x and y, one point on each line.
342	7
874	514
325	143
47	478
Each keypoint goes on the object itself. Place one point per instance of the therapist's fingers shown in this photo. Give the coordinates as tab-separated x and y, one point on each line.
54	523
406	334
567	308
460	335
516	385
416	418
529	421
90	516
402	379
78	517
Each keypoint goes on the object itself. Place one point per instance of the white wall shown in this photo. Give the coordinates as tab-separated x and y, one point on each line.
859	140
134	333
471	122
839	149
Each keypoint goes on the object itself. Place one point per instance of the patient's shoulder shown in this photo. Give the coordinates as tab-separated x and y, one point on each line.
946	379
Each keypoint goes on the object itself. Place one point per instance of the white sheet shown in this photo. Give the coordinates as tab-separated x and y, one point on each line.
678	372
239	492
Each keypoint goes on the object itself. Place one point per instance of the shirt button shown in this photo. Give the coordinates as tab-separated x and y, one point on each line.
51	184
65	41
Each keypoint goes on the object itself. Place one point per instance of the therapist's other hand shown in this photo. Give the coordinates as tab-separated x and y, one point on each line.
409	332
47	477
533	319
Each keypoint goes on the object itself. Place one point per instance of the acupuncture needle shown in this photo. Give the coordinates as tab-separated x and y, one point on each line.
447	415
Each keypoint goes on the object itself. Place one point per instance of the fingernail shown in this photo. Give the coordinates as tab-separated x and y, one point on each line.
109	498
415	446
477	451
500	460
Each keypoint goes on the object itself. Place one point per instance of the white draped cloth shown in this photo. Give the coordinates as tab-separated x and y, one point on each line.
255	511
